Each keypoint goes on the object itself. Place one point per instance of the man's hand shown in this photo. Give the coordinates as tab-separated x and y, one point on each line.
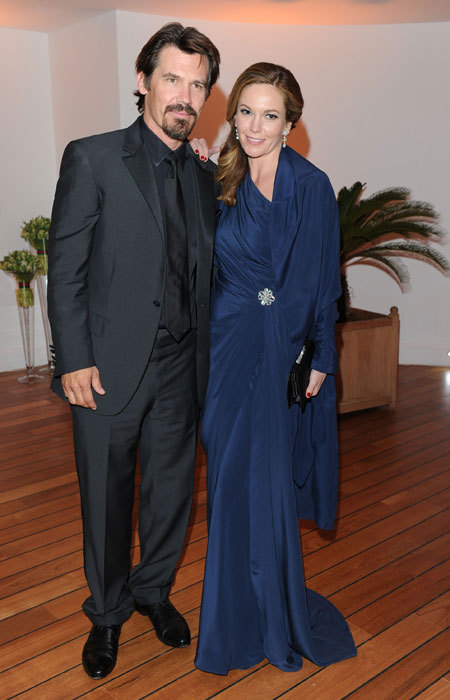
77	386
316	380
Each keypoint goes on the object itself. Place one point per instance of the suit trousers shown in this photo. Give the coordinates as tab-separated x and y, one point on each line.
160	421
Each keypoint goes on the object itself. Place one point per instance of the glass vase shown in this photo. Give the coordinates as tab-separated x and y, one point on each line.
41	281
24	285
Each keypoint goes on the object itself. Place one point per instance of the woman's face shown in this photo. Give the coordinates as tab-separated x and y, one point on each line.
261	120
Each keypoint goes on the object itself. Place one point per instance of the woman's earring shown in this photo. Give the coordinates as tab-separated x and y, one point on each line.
285	133
236	132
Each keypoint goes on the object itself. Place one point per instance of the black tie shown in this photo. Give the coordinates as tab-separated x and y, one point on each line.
176	293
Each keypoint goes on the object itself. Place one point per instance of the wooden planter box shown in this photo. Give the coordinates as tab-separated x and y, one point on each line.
368	360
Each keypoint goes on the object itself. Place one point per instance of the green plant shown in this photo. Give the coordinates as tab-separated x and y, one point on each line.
35	231
23	265
379	230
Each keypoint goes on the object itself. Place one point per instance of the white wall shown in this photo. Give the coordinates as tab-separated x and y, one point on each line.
377	105
54	88
377	101
85	85
27	172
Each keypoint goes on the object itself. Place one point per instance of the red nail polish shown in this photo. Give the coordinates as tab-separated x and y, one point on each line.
308	395
196	150
203	157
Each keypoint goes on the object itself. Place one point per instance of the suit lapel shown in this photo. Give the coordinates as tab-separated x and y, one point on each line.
138	163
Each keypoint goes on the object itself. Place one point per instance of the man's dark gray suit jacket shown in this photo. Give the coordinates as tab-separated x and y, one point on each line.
107	262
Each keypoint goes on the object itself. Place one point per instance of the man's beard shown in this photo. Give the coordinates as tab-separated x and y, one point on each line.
179	129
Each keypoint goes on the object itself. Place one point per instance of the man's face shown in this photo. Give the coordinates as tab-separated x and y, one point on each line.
176	94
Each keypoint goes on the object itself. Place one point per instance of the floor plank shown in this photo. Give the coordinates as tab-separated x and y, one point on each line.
385	565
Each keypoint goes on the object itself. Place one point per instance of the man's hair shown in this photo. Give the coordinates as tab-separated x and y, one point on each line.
187	39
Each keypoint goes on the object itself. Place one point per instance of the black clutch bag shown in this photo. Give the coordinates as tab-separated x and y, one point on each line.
299	376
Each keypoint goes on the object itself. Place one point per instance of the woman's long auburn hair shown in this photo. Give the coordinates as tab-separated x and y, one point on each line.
233	162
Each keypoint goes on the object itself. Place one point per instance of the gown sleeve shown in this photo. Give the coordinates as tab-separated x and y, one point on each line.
329	289
315	458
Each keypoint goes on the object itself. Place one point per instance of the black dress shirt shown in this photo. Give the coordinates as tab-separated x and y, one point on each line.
158	152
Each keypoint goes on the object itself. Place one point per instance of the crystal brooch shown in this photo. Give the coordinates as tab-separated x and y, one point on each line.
266	297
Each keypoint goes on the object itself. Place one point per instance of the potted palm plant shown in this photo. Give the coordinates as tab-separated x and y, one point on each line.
378	231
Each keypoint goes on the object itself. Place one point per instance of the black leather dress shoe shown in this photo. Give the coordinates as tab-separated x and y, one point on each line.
100	651
171	628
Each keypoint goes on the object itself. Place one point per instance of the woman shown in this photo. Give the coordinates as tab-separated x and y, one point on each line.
277	282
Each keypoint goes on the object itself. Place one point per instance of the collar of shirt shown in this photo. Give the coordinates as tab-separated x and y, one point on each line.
158	150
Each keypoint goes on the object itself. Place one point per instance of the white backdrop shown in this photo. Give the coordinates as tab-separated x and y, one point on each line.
84	74
27	168
377	101
377	106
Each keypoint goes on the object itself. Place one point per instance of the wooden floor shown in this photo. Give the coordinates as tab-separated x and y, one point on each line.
386	566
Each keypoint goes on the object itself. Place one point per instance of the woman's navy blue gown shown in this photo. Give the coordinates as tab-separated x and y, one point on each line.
255	603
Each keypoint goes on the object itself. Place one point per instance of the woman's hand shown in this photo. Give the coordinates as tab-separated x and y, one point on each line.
316	380
200	148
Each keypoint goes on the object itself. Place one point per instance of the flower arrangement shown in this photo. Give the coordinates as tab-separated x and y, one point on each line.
23	265
35	231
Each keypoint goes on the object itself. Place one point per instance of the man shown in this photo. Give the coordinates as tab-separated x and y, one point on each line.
131	246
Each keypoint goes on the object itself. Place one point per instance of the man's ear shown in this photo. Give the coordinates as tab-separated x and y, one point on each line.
142	83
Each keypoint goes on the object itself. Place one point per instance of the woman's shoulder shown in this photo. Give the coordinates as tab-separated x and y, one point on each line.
303	168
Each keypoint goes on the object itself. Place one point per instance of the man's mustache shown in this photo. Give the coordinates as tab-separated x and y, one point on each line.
181	107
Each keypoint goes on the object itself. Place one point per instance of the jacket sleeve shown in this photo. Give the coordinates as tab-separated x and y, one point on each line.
74	216
329	290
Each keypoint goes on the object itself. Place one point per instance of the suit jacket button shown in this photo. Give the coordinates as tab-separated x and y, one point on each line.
156	302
